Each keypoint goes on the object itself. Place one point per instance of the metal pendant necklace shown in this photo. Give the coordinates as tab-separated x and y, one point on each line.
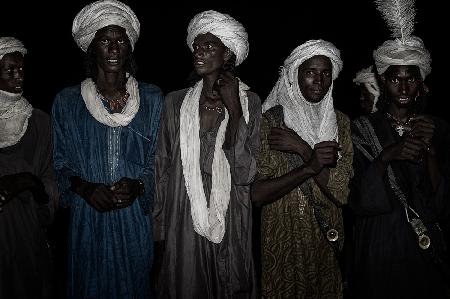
400	126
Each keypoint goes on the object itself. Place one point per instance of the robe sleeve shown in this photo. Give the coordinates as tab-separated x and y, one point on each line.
162	168
369	194
147	175
338	182
44	150
242	156
63	168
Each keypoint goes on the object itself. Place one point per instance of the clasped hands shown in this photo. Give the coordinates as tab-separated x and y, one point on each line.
105	198
414	145
324	154
13	184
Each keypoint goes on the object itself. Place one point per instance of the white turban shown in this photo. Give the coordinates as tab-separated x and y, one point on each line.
313	122
228	30
11	45
410	52
100	14
367	77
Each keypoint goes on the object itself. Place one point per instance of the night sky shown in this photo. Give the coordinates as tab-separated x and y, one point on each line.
354	26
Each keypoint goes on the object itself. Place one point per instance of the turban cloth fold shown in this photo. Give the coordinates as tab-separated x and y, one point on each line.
368	79
11	45
411	51
228	30
100	14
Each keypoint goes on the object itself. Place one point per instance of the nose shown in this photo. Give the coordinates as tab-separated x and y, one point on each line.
403	87
113	47
199	52
18	75
318	78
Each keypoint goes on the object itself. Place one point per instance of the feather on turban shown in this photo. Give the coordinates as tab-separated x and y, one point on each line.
11	45
408	52
100	14
228	30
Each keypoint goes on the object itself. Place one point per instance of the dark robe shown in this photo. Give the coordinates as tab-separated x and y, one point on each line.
192	266
388	261
25	267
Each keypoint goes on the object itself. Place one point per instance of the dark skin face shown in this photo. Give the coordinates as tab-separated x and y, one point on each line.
315	78
209	54
12	72
365	99
401	85
111	47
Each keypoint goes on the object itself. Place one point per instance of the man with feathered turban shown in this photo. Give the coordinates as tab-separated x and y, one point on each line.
369	91
105	139
401	185
303	173
27	184
205	163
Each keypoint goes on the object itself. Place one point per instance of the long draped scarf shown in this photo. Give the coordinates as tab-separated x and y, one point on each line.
208	222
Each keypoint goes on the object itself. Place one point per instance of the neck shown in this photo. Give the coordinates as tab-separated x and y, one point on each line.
110	84
400	114
208	94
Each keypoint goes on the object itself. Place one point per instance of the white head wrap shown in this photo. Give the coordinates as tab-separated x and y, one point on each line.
14	108
313	122
11	45
100	14
410	51
228	30
367	77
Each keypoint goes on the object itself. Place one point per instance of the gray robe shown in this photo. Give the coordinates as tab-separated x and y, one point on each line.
192	266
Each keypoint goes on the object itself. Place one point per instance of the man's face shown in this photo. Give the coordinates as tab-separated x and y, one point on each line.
402	84
315	78
111	48
11	72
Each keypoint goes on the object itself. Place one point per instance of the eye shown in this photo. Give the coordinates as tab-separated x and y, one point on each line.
104	41
208	46
327	74
309	73
411	80
121	41
394	80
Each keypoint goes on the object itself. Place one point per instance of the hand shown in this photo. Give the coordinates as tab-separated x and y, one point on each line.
13	184
325	154
126	190
423	128
407	149
99	196
287	140
228	87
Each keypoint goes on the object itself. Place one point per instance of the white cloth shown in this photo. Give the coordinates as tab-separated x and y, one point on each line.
209	223
95	106
11	45
100	14
14	114
410	52
313	122
367	77
228	30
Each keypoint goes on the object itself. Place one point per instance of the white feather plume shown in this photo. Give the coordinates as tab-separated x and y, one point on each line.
399	16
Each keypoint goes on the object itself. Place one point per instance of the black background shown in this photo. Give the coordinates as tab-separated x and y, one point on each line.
275	28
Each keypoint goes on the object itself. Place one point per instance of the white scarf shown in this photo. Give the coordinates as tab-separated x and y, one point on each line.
209	223
14	114
313	122
97	109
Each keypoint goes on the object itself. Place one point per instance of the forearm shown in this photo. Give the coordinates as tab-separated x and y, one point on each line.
266	191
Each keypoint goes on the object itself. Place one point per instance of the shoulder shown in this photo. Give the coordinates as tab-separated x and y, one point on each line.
176	97
149	89
67	94
342	119
274	116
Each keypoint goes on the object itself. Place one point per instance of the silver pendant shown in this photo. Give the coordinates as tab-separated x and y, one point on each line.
332	235
420	230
